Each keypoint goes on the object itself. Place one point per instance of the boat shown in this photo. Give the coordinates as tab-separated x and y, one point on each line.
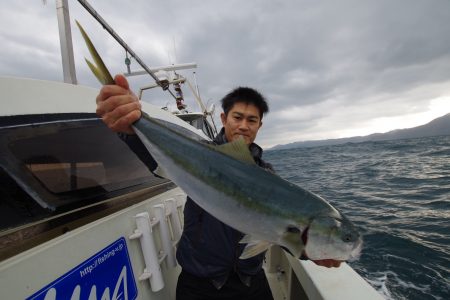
83	218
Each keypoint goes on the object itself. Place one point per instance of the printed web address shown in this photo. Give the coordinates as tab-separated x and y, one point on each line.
99	260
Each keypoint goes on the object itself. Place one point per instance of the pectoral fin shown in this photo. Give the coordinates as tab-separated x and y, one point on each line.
292	241
254	248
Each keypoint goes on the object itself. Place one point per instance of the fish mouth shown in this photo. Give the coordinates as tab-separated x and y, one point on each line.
356	252
304	236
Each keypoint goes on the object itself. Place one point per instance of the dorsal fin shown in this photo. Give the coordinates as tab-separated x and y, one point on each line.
237	149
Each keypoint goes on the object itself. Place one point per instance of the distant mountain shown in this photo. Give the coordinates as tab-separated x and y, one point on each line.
439	126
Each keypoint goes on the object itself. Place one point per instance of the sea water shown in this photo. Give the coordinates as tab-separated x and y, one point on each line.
398	194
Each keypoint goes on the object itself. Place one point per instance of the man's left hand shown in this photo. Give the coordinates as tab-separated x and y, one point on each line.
328	263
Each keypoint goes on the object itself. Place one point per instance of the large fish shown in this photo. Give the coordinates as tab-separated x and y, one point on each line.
225	181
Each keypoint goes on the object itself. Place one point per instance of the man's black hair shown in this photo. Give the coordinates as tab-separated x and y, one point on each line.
245	95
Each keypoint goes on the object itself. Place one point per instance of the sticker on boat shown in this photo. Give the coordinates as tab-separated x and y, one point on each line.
106	275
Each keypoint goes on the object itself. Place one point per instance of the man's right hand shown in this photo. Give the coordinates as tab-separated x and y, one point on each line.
118	106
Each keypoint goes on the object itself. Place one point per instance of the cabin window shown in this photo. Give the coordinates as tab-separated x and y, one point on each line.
72	161
198	122
64	177
72	158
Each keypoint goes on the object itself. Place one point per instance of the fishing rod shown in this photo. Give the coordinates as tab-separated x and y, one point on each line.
164	85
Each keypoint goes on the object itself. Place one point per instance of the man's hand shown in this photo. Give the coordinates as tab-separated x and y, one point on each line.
118	106
329	263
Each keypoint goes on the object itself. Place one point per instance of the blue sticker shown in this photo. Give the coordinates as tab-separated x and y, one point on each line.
105	275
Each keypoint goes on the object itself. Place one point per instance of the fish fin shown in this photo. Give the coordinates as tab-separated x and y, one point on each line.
100	65
246	239
96	71
237	149
160	172
292	241
254	248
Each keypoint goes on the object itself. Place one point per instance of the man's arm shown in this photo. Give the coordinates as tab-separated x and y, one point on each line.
119	108
136	145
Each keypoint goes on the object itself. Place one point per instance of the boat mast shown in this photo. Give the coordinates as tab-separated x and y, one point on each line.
65	38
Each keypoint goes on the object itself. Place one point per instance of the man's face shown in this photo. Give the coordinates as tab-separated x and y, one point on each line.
242	120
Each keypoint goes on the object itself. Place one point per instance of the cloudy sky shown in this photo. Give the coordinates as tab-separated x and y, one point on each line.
329	69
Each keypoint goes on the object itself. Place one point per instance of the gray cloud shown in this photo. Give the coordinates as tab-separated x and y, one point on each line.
325	66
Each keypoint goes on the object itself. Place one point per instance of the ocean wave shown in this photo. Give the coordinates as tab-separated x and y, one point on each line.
398	194
387	282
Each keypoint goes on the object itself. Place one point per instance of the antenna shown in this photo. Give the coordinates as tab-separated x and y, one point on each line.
196	85
174	49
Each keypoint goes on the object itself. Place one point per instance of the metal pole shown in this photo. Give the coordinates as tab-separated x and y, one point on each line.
65	38
164	68
196	85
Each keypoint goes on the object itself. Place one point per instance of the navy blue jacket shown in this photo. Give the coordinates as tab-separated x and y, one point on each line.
209	248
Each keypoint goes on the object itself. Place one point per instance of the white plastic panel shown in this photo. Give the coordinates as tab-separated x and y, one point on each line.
29	272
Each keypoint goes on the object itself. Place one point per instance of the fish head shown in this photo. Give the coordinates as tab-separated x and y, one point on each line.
325	237
332	237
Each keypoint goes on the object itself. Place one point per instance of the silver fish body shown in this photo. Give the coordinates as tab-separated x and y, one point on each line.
269	209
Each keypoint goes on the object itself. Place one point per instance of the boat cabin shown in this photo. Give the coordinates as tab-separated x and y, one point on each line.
81	217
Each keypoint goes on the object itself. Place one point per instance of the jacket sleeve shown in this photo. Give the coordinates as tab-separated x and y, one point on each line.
136	145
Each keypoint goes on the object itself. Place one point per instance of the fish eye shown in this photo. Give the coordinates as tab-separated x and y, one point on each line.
348	237
292	229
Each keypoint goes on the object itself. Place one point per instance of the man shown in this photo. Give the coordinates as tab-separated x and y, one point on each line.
209	250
